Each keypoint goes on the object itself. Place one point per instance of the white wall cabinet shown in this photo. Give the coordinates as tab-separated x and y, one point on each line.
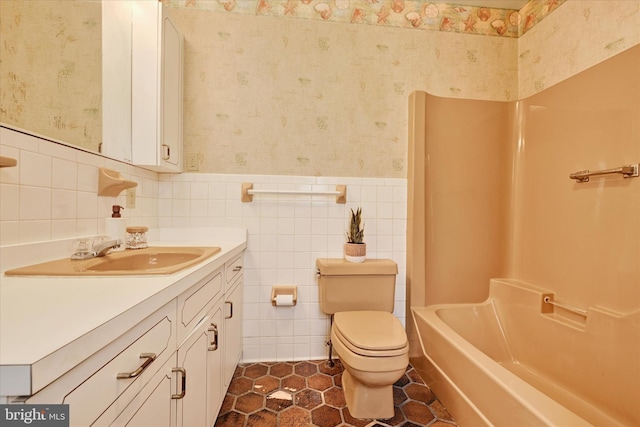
156	89
170	370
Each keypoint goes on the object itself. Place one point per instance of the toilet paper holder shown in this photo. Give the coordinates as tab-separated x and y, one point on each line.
284	290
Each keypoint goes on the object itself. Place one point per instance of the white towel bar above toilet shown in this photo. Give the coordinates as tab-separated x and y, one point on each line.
340	192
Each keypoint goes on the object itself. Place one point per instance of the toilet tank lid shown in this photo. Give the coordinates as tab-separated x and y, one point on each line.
341	267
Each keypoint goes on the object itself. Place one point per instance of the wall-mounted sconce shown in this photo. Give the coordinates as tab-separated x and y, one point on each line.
111	183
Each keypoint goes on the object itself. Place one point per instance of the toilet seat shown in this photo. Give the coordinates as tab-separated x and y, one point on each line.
371	333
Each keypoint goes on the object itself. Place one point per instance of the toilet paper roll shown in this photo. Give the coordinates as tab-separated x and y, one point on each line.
284	300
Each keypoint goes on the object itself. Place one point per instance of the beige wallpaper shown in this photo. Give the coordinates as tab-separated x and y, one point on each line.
576	36
281	95
50	69
269	95
309	87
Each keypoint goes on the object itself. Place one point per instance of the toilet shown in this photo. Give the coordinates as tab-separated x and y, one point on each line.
369	340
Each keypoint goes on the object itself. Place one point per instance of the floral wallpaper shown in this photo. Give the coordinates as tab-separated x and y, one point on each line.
307	87
50	69
419	14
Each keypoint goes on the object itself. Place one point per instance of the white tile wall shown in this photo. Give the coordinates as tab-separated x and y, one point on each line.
286	233
52	194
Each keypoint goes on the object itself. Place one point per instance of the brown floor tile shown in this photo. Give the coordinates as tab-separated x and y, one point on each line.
326	416
255	371
231	419
263	418
309	393
399	396
249	402
335	397
320	382
227	404
281	370
419	392
294	417
440	411
278	404
305	369
417	412
240	386
308	399
353	421
294	383
266	384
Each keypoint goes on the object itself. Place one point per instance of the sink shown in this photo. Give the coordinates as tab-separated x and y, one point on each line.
152	260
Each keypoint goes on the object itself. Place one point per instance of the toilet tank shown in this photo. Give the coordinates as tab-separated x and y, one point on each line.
353	286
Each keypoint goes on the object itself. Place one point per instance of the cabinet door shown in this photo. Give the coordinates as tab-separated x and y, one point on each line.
156	89
233	306
192	359
215	390
152	406
171	95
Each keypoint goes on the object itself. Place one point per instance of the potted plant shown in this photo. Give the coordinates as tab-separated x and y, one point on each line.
355	250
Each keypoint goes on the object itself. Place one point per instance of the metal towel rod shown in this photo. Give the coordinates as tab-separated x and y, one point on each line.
629	171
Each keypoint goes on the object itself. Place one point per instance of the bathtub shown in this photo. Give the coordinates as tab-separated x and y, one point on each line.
515	360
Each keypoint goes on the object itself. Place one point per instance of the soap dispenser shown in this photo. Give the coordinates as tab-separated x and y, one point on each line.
116	226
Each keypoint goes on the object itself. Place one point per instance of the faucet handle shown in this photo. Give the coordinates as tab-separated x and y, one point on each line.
82	249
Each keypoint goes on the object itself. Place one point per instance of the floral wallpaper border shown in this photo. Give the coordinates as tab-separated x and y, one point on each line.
419	14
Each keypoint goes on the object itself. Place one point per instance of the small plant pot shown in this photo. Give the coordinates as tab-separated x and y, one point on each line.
355	252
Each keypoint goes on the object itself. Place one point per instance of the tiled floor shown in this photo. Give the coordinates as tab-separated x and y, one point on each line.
299	394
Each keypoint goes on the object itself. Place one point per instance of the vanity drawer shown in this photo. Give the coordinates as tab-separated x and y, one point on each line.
93	386
193	302
234	269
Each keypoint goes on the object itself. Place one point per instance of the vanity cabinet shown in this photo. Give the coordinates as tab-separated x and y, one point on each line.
156	89
98	384
170	370
234	302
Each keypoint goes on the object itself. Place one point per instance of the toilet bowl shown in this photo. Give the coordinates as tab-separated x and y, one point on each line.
369	340
374	351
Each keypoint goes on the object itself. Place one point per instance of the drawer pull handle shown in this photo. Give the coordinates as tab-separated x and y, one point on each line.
149	358
183	383
213	346
237	268
230	309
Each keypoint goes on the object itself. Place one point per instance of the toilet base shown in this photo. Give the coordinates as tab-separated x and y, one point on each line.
367	402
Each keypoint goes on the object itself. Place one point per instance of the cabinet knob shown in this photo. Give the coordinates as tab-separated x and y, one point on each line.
237	268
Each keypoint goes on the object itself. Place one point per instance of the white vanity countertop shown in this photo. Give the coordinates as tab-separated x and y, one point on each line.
50	324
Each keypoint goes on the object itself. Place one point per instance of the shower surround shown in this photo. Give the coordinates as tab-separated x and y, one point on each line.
490	196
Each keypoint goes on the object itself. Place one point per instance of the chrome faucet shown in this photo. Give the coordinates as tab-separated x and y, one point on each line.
98	250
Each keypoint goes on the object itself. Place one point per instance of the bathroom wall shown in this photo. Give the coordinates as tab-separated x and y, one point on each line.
285	236
288	96
581	239
50	80
52	192
576	36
